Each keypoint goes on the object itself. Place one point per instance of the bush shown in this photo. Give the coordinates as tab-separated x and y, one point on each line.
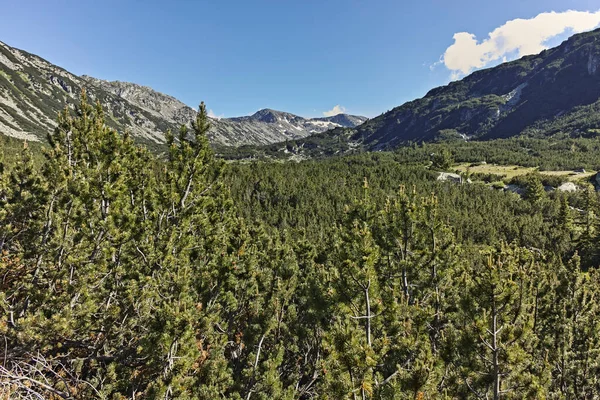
486	177
553	180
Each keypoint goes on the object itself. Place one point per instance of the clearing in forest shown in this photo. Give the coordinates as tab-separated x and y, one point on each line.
510	171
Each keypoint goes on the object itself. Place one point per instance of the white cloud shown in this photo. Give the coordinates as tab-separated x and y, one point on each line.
437	63
516	38
212	115
335	111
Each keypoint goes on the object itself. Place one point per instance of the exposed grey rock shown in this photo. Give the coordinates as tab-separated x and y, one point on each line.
263	127
449	177
159	104
344	120
33	91
567	187
513	97
271	126
593	62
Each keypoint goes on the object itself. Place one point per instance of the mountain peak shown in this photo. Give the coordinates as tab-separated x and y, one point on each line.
269	115
345	120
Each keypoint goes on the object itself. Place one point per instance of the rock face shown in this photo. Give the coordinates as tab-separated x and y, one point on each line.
160	105
33	91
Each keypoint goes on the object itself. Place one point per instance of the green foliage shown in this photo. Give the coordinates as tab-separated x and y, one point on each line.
442	160
128	275
496	339
532	183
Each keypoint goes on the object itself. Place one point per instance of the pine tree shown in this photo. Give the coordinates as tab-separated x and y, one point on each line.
419	257
588	240
534	189
568	315
352	347
123	252
443	159
495	351
390	283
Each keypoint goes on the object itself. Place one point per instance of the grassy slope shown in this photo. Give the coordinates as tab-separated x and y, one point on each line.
510	171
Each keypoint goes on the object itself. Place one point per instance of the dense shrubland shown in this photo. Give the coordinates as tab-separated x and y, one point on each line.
125	275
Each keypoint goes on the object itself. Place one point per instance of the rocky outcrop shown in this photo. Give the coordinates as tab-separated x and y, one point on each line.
271	126
159	104
593	62
568	187
449	177
33	92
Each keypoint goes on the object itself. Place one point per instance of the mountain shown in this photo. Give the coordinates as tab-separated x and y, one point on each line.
264	127
33	91
554	92
269	126
344	120
158	104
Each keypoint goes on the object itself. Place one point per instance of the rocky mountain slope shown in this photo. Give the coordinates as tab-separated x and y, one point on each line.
552	92
270	126
33	91
264	127
556	92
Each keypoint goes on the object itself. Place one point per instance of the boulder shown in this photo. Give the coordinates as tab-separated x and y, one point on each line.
567	187
449	177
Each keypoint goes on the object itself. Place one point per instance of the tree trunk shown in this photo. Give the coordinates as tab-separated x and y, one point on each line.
368	315
495	348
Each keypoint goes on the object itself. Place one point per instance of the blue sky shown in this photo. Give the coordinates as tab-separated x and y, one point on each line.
302	56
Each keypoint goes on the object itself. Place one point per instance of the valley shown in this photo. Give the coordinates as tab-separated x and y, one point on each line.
446	249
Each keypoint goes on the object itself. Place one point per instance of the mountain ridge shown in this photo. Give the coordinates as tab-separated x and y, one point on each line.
523	96
33	91
555	93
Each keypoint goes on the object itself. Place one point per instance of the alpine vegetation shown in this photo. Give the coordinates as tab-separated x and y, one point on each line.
125	274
